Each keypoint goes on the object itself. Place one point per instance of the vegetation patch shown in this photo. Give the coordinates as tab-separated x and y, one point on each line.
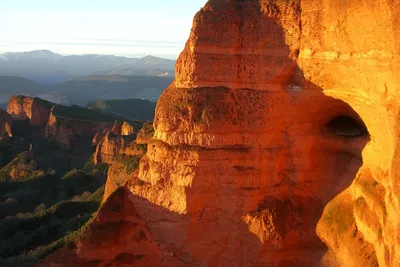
21	159
58	226
131	109
46	104
80	113
340	215
49	193
147	130
131	163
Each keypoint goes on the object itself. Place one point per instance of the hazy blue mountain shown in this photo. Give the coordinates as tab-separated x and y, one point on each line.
86	89
12	85
44	66
102	87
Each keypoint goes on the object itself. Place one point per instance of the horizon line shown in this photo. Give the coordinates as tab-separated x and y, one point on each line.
88	54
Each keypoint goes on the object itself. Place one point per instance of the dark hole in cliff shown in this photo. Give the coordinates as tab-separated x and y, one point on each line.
347	126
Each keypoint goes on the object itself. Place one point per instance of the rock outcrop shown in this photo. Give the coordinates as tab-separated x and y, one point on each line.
122	128
135	149
24	165
25	107
111	143
65	128
5	124
145	134
278	142
126	240
109	147
124	159
99	136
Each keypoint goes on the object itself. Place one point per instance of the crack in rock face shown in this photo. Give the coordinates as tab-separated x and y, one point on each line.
276	145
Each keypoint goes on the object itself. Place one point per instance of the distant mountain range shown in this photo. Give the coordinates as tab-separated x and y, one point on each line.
47	67
85	89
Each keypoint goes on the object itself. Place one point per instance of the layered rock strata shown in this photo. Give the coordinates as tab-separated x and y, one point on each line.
110	147
277	144
111	143
65	129
32	108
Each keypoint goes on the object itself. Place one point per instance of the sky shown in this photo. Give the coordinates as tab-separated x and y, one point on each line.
131	28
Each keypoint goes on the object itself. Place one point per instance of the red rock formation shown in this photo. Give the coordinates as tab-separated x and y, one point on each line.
135	149
130	234
32	108
5	123
125	240
111	143
145	134
109	147
122	128
263	132
127	129
117	173
96	139
65	129
99	136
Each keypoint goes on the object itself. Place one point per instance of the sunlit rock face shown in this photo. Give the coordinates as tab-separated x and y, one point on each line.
277	110
109	147
352	53
145	134
276	145
111	143
34	109
65	130
122	128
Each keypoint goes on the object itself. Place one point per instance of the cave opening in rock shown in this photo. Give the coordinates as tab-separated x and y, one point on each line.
347	126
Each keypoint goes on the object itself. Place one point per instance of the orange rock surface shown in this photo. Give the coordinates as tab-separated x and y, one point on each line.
117	173
32	108
124	240
99	136
135	149
111	143
277	143
110	147
145	134
122	128
64	129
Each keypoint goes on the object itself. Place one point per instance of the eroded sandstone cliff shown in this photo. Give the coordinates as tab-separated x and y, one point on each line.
277	144
63	127
32	108
112	143
124	163
145	134
122	128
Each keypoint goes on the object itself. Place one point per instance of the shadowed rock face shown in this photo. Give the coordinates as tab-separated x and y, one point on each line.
277	143
5	124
